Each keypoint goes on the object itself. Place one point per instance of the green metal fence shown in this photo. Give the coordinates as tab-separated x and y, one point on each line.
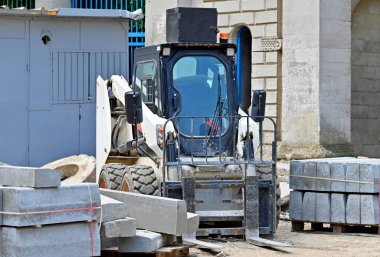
18	3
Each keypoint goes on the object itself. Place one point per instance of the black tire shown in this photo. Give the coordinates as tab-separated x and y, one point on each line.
144	180
111	175
265	172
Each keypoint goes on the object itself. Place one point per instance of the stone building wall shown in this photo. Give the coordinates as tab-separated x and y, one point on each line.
366	78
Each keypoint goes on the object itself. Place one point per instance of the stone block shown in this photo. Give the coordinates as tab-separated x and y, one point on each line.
227	6
29	177
369	209
352	178
338	208
257	31
295	205
60	240
106	243
144	242
118	228
271	30
68	203
249	5
310	173
323	182
296	169
241	18
148	210
309	206
353	209
223	20
266	17
192	223
369	173
112	209
323	207
338	175
268	70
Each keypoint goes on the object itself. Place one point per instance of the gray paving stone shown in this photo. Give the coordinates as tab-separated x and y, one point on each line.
143	242
353	209
369	173
68	203
338	172
352	174
192	222
112	209
154	213
308	206
118	228
62	240
369	206
310	171
323	207
296	169
338	208
323	183
295	205
29	177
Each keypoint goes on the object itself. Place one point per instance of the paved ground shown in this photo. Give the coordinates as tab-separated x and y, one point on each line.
304	244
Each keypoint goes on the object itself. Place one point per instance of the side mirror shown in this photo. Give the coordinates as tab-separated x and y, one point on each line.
133	107
258	105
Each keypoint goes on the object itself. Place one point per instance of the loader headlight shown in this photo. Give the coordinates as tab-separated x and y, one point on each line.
160	136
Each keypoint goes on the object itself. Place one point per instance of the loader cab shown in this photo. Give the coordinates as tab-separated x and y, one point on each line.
194	85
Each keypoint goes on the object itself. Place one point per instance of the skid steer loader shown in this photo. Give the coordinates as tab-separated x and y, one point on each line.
177	131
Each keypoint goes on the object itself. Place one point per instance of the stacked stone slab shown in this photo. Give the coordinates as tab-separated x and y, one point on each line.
338	190
39	217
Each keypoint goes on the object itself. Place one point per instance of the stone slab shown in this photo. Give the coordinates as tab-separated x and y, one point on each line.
369	174
310	171
62	240
296	169
369	209
295	205
154	213
338	208
308	206
338	175
353	209
112	209
69	203
192	222
118	228
107	243
144	242
323	173
29	177
352	175
323	207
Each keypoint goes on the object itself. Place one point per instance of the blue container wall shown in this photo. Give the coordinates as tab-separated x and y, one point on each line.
136	29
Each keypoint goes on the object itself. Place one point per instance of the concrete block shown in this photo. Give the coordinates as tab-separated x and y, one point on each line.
369	173
295	205
192	222
369	209
106	243
310	171
29	177
353	209
323	182
323	207
143	242
61	240
338	208
68	203
148	210
338	175
309	206
296	169
112	209
118	228
352	178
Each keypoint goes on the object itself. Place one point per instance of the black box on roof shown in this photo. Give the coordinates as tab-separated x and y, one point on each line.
191	25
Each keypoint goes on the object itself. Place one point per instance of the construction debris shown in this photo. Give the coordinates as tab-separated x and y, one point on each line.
75	169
